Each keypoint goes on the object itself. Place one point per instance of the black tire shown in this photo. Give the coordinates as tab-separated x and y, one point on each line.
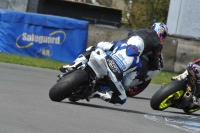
62	89
191	110
74	99
162	95
133	92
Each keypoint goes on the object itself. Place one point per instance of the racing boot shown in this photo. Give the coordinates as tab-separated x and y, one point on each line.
74	65
195	102
82	59
103	96
181	76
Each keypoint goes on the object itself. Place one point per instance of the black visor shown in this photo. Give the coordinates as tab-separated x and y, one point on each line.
164	35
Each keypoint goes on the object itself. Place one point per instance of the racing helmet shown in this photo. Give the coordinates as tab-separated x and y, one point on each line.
161	30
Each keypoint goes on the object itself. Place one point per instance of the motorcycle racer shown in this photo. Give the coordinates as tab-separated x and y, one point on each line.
125	58
195	66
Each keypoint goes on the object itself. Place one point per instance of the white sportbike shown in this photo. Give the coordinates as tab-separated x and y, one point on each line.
80	83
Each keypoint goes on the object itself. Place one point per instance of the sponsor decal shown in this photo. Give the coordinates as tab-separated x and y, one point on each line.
52	38
97	65
135	48
119	61
113	66
121	57
122	89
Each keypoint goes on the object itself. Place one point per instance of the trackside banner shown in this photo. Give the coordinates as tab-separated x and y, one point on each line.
36	35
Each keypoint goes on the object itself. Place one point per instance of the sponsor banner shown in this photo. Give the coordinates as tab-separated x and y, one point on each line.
36	35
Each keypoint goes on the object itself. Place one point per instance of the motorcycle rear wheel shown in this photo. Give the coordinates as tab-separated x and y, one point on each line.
191	110
166	95
135	91
63	88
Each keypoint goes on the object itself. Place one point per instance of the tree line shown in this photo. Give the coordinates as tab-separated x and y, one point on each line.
143	13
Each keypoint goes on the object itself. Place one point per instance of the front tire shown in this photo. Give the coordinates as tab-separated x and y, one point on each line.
62	89
166	95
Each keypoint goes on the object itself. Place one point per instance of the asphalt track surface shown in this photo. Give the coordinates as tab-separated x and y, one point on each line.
25	107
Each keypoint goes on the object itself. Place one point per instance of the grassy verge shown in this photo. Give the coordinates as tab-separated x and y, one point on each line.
161	78
30	61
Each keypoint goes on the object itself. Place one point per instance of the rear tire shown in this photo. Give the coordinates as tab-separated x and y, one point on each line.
62	89
133	92
191	110
163	98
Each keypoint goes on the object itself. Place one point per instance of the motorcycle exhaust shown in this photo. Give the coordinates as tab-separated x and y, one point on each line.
186	99
187	95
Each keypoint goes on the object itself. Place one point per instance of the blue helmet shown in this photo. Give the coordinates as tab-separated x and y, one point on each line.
161	30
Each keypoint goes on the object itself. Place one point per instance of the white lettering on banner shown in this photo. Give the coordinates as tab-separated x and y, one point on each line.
40	39
46	52
33	38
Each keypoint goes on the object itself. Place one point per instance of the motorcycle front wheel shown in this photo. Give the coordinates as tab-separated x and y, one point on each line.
63	88
167	95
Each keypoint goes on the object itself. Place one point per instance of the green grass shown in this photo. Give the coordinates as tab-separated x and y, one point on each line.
30	61
161	78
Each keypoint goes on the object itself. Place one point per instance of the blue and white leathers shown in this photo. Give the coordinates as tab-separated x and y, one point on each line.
123	57
136	40
126	56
